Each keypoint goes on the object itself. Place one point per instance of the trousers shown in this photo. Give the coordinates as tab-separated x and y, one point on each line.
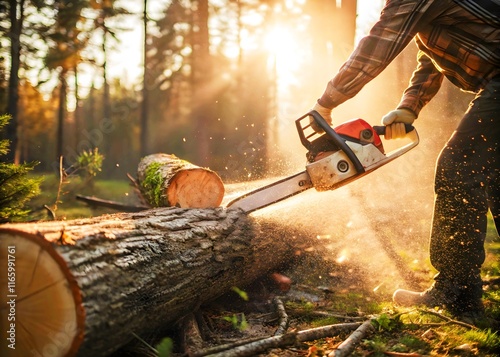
467	185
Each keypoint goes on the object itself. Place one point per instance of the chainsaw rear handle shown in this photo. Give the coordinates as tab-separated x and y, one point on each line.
336	138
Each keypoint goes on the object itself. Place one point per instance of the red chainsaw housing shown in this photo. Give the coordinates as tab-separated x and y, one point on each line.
360	130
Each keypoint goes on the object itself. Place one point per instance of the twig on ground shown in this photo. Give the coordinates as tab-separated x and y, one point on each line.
326	331
149	347
326	314
282	341
346	347
448	319
224	347
191	335
402	354
283	317
137	190
51	212
257	347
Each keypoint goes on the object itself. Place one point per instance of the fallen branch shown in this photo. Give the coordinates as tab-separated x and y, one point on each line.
260	346
281	341
448	319
346	347
283	317
221	348
94	201
300	312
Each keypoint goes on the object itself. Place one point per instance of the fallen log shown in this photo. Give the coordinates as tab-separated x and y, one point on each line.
87	287
165	181
99	202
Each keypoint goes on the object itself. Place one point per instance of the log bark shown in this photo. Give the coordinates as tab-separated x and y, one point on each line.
166	181
85	287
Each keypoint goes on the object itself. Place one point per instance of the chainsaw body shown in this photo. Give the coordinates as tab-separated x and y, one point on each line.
346	152
338	156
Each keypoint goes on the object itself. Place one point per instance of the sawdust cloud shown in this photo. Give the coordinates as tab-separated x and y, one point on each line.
379	224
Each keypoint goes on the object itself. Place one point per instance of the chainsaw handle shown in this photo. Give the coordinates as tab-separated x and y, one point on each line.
336	138
380	129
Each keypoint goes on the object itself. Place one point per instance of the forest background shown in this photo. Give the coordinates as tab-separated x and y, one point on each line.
219	84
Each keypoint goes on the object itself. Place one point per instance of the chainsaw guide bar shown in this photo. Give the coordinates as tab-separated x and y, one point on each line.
272	193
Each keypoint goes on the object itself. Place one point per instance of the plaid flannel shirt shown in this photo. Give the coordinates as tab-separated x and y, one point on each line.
459	39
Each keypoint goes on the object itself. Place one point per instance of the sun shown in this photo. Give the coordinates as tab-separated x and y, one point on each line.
284	54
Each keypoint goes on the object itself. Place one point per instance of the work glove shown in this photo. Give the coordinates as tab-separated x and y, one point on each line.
395	123
326	113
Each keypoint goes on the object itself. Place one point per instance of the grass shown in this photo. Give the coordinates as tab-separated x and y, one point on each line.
68	207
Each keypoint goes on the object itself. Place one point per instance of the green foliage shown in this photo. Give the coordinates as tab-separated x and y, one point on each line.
242	294
325	321
165	347
89	163
410	343
492	298
16	189
238	321
304	306
386	322
377	346
486	339
153	184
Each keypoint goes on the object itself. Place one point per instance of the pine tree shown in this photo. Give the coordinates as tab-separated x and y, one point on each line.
16	189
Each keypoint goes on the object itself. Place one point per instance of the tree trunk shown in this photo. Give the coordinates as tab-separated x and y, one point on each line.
202	82
16	23
143	139
61	114
85	287
166	180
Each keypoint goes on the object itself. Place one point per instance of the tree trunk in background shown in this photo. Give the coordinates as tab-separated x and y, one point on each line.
106	105
145	97
16	22
202	76
333	29
118	275
61	115
344	21
77	112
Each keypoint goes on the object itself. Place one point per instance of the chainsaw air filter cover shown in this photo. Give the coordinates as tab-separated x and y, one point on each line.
355	131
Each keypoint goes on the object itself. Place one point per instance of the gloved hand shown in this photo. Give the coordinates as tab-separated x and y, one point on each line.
326	113
395	123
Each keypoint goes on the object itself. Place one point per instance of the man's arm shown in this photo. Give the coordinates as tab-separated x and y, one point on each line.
399	23
424	84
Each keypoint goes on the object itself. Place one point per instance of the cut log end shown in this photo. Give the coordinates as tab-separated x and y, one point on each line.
36	275
195	188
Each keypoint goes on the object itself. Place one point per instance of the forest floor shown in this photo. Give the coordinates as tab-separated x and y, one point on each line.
322	294
323	285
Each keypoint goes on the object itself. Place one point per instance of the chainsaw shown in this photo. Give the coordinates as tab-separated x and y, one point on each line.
335	157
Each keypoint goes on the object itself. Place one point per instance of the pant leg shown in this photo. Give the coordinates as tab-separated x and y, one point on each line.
466	186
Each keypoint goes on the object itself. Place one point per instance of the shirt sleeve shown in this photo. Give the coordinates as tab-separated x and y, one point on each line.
424	84
398	24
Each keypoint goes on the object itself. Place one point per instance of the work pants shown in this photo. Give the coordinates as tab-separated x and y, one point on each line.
467	184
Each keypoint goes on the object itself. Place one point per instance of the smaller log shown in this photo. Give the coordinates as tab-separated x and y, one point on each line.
167	181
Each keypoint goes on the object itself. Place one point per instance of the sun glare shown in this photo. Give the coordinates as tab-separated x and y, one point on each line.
284	52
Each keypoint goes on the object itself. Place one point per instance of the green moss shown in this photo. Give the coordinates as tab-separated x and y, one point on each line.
153	184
